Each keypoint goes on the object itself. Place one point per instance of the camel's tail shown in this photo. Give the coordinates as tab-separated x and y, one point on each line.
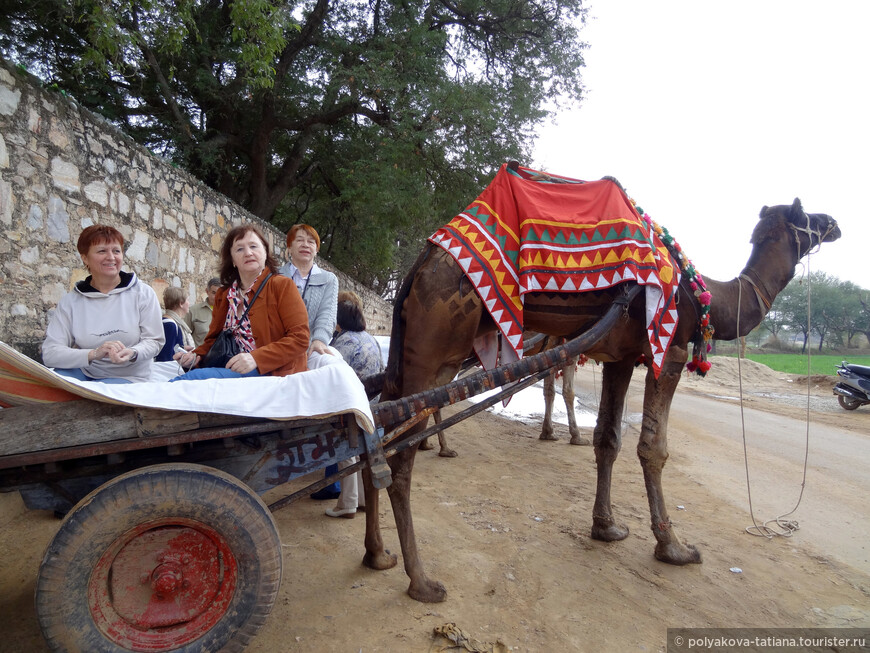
393	375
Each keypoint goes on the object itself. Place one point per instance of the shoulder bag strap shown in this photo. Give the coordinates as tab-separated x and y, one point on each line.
257	294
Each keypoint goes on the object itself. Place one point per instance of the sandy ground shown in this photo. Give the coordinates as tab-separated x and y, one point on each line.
505	526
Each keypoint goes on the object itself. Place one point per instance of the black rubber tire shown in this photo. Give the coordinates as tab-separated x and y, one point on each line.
193	493
847	403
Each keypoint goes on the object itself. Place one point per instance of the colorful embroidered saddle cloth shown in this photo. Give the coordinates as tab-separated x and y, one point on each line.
531	231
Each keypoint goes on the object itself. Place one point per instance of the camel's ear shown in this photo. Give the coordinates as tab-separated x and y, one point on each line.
763	211
796	206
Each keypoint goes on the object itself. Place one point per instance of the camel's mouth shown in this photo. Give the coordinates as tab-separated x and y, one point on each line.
827	227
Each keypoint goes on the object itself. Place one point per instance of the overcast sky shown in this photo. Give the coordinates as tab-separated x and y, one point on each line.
708	111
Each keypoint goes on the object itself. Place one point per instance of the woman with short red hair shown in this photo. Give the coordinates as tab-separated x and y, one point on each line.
108	328
318	287
319	291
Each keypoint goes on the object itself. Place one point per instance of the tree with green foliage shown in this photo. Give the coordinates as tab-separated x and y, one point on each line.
791	304
851	318
373	120
828	301
774	322
825	305
862	320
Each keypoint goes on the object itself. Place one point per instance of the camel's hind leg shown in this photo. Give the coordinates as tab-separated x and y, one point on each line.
547	431
607	438
568	375
652	449
444	451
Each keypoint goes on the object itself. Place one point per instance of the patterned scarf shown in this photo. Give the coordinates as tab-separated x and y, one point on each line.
238	302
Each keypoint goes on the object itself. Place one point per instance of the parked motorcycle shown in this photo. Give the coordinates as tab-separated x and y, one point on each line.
853	389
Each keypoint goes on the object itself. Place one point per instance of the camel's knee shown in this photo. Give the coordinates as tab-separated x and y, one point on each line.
606	437
652	457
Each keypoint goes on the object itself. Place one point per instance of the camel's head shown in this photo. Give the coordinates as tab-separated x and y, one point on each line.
806	230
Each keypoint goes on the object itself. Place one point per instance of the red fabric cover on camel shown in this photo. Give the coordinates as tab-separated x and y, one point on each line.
531	231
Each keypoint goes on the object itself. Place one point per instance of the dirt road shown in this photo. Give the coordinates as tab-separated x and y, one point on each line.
506	526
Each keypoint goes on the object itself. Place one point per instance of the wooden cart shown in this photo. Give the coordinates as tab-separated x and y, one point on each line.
166	544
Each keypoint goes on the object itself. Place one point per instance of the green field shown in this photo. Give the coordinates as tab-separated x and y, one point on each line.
797	363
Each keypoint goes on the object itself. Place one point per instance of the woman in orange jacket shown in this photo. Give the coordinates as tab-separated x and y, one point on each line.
273	336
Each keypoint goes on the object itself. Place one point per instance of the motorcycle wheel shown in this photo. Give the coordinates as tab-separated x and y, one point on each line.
847	403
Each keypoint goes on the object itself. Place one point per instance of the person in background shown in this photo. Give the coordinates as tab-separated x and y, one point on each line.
175	329
319	290
198	319
318	287
361	351
108	327
273	337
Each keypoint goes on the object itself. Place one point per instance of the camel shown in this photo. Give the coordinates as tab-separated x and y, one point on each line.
435	303
548	432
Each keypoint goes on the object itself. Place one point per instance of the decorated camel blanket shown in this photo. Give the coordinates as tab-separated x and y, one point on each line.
330	387
529	231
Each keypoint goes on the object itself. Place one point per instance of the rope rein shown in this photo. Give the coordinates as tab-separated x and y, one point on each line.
764	301
786	527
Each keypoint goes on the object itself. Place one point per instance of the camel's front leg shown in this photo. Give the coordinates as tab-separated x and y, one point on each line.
547	431
568	373
421	588
607	439
652	449
376	557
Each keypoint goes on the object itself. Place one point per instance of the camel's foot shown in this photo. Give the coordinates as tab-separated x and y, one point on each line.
447	453
425	445
608	532
430	591
676	553
380	561
548	435
580	440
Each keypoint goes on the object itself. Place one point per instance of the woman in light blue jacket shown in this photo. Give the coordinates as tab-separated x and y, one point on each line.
319	290
318	287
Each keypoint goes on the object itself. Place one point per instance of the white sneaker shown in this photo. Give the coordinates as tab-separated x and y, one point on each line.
345	513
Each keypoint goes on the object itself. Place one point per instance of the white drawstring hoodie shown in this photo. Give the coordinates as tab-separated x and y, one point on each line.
85	318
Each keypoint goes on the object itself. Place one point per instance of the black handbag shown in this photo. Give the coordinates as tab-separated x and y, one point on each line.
225	345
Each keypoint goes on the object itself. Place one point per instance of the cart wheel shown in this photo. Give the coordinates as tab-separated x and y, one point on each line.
848	403
173	557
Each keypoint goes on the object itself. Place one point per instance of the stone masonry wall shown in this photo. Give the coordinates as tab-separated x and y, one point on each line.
62	169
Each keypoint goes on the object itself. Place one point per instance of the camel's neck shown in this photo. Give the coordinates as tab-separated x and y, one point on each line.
735	306
747	298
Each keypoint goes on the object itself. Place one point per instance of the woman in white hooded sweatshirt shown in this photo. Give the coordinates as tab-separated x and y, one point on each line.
108	328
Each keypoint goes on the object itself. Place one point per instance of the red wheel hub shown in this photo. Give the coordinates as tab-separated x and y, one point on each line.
162	585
